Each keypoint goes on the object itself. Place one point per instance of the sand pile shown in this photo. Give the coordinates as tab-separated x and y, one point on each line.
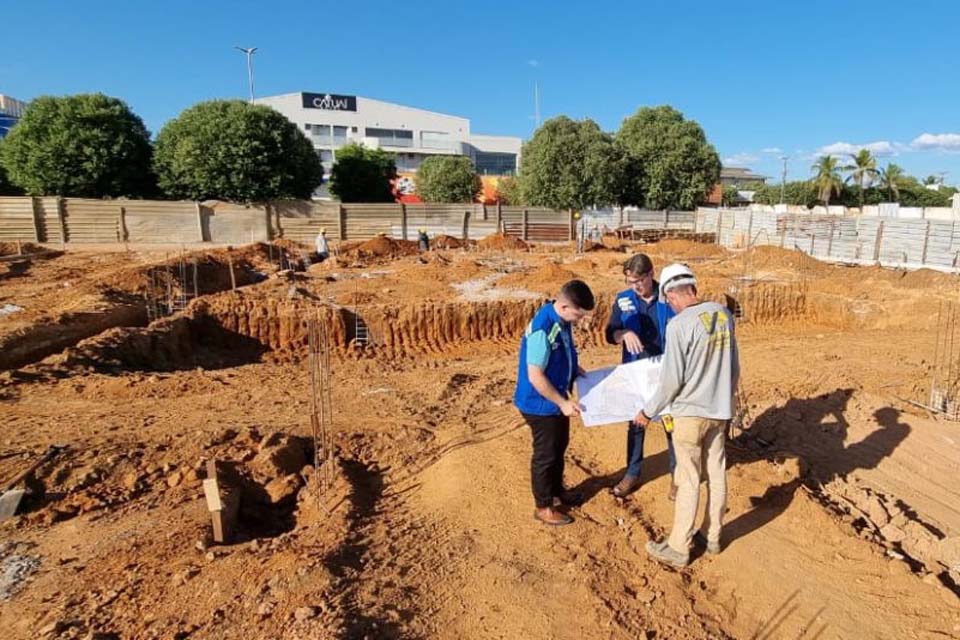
769	257
502	242
927	279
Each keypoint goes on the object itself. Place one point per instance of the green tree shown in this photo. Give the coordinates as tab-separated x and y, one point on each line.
448	179
915	194
509	192
731	196
6	188
828	180
863	170
233	150
798	192
571	164
86	145
930	180
671	163
890	179
363	175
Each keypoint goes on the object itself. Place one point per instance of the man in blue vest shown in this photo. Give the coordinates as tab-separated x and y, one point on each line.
638	322
547	367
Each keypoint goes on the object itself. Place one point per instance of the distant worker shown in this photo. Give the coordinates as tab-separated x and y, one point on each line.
701	369
546	370
581	230
323	247
423	240
638	322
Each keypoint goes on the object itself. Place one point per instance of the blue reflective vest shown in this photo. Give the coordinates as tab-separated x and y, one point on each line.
649	322
560	370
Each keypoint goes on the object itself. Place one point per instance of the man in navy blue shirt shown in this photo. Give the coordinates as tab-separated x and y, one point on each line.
638	322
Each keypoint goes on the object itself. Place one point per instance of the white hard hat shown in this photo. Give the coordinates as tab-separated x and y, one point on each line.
675	275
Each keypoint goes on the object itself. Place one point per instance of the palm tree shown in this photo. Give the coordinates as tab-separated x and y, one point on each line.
828	179
863	169
890	179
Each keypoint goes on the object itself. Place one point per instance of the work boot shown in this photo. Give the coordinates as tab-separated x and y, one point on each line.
549	515
625	487
663	552
713	548
672	494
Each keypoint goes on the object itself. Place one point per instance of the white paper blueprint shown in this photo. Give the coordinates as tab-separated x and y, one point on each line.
617	394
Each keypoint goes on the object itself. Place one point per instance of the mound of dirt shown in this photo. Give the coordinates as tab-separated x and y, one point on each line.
769	257
687	248
547	278
384	247
927	279
10	248
446	242
502	242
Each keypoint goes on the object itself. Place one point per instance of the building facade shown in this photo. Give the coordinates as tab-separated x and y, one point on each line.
11	110
331	121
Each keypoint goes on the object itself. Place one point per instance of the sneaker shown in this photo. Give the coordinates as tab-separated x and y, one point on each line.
551	516
625	487
713	548
672	494
662	552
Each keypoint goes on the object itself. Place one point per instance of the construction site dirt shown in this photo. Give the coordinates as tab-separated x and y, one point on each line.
843	517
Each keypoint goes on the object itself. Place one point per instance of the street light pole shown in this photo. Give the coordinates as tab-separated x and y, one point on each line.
249	52
783	178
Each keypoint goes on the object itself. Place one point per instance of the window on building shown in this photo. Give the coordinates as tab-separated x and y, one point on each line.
435	140
495	164
391	137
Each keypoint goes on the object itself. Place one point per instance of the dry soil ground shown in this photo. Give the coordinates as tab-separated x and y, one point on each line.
843	520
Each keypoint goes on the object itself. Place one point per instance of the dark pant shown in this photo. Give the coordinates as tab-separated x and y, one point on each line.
551	435
635	436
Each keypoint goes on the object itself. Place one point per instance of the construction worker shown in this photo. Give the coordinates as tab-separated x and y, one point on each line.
698	379
423	240
322	246
546	371
581	230
638	321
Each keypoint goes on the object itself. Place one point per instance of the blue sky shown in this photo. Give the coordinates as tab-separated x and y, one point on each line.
764	79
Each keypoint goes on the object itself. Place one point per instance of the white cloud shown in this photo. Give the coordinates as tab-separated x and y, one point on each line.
533	63
878	148
774	150
937	142
740	159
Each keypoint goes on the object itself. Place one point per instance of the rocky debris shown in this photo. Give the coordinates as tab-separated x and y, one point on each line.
280	455
16	568
305	613
283	489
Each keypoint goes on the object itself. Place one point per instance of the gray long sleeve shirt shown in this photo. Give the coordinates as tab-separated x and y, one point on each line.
701	365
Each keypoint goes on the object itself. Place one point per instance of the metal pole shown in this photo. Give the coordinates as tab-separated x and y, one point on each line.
249	51
783	178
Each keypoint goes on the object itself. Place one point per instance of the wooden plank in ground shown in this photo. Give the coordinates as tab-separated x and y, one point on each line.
222	503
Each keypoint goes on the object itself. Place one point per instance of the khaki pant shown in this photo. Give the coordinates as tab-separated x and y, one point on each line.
696	441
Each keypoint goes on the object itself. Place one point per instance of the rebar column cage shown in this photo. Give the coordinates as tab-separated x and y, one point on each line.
321	403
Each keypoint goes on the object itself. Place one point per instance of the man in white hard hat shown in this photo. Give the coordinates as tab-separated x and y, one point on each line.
698	379
323	247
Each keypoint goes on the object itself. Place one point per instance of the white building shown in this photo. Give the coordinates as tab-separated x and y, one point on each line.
332	121
11	110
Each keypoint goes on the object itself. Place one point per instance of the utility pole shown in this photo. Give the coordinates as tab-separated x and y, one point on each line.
536	103
249	51
783	178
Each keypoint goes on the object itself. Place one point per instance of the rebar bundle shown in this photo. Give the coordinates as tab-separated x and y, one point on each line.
170	287
321	403
945	377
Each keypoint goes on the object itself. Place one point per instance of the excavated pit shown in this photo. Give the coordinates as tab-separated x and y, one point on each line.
242	327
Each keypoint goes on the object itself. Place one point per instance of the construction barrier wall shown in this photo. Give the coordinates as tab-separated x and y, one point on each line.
908	243
88	221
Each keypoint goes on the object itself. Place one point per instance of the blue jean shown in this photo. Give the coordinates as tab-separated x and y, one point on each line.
635	435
